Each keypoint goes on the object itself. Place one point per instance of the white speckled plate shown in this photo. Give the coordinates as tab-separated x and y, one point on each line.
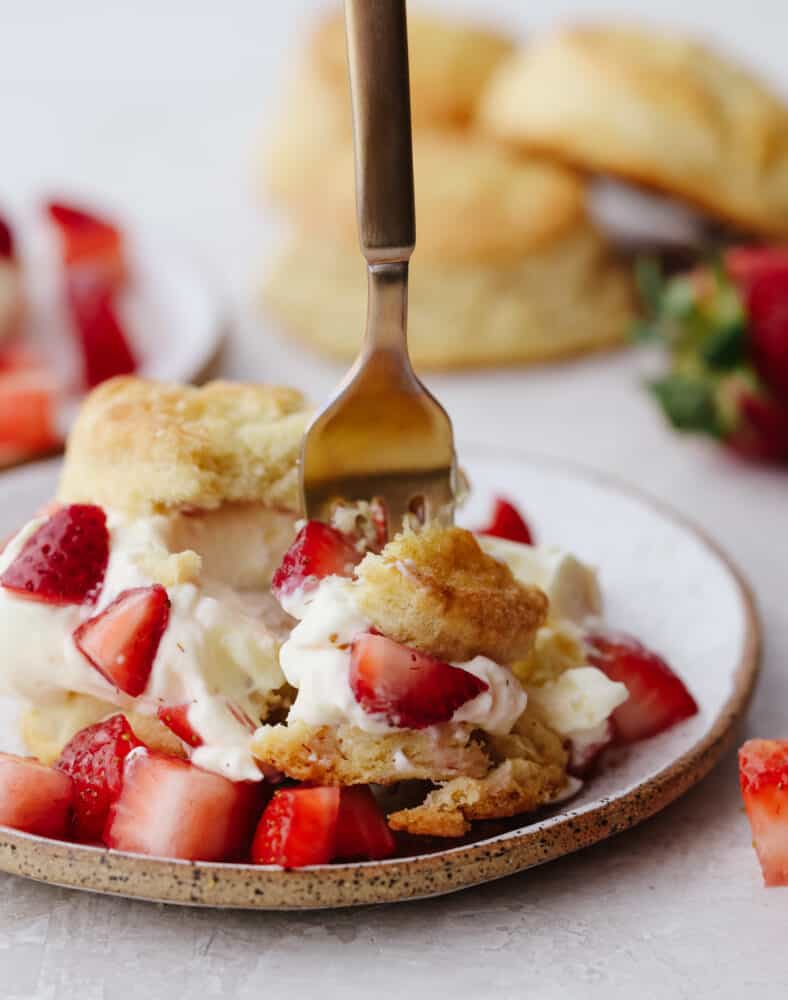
662	581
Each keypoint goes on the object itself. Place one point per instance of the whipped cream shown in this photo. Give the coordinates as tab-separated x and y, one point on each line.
316	660
218	653
578	703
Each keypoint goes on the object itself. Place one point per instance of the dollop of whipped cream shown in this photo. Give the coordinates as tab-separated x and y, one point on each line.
218	653
316	660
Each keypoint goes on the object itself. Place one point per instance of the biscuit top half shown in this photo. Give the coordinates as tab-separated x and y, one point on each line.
142	447
652	107
437	591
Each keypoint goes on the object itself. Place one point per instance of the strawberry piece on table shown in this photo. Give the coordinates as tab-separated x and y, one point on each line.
298	828
767	309
93	759
122	640
760	432
33	797
657	699
409	688
763	775
64	561
362	830
169	808
176	719
318	551
507	522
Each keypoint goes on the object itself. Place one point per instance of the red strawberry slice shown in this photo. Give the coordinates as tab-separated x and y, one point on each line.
409	688
28	414
65	560
507	522
746	265
169	808
767	309
298	828
7	250
176	718
657	699
362	831
318	551
121	641
93	759
34	798
87	238
106	351
761	432
763	775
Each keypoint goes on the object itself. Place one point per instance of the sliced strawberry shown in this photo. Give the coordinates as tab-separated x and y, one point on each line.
317	552
409	688
767	309
362	831
176	718
65	560
507	522
170	808
746	265
93	759
763	775
122	640
106	351
87	238
34	798
761	429
28	414
657	699
298	828
7	250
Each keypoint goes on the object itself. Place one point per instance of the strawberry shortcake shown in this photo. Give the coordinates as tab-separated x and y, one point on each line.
206	678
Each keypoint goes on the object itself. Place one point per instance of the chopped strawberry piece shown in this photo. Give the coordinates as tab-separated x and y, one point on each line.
122	640
298	828
763	775
507	522
7	250
767	309
409	688
28	414
176	718
318	551
105	347
170	808
34	798
761	431
87	238
65	560
746	265
93	759
362	830
657	699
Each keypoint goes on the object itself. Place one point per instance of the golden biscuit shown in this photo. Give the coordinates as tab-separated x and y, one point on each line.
350	756
141	447
652	107
564	299
437	591
529	771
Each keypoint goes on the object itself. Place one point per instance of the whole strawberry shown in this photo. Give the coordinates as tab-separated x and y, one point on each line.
726	328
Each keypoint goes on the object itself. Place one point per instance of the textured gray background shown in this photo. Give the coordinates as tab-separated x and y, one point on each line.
156	108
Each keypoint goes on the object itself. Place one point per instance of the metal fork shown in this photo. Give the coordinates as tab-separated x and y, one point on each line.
382	436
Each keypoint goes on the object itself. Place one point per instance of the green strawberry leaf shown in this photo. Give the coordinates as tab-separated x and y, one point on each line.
725	347
689	402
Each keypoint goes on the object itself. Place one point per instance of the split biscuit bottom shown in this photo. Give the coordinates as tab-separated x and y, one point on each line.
479	776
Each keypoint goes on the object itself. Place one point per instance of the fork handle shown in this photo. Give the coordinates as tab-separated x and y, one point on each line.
377	39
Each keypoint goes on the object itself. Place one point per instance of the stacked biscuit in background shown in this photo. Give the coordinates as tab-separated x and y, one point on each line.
510	266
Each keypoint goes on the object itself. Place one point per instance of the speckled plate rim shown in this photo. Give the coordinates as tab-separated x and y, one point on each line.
235	886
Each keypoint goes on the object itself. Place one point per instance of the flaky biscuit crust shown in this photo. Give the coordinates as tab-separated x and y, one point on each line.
437	591
568	298
654	108
347	755
142	447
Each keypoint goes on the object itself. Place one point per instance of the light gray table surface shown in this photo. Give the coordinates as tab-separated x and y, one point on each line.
155	108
